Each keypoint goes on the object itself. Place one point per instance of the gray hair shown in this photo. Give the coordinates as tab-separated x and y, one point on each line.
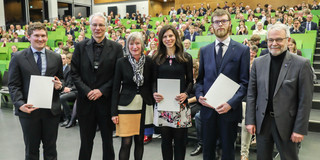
99	14
132	37
279	27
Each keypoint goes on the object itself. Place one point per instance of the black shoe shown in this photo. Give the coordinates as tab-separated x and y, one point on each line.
71	124
65	123
196	151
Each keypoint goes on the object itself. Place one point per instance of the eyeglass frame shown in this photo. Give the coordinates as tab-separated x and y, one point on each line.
278	40
223	22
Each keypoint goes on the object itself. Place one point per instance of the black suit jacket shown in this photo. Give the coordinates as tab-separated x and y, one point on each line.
301	30
181	9
123	79
67	78
86	78
22	66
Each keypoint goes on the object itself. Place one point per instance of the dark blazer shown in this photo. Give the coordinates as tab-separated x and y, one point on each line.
235	65
123	79
301	30
292	99
67	78
188	36
86	78
314	25
179	11
22	66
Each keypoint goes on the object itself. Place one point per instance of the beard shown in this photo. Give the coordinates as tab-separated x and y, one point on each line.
277	53
222	33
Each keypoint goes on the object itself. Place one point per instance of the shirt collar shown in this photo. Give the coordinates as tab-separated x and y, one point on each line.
34	50
226	42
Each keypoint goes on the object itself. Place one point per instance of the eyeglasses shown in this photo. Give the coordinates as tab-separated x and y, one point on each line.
221	21
96	25
278	40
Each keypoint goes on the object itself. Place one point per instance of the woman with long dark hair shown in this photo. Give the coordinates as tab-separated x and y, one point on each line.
132	100
171	62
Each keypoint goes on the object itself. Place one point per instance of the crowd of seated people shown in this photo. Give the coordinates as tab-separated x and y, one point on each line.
189	21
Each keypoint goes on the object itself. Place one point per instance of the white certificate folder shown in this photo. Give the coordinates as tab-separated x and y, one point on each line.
169	89
40	91
221	90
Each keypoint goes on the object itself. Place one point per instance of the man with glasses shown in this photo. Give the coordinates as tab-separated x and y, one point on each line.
309	25
279	97
297	28
231	59
92	71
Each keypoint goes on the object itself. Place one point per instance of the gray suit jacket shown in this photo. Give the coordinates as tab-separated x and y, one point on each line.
292	97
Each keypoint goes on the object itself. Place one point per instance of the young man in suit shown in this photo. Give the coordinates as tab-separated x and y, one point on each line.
231	59
279	97
38	125
92	71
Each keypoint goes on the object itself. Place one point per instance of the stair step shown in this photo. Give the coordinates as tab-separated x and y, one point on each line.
316	64
316	100
316	57
314	120
316	87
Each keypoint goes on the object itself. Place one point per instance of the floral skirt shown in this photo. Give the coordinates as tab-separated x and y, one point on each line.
180	119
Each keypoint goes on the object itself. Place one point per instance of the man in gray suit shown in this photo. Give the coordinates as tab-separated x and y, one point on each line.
279	98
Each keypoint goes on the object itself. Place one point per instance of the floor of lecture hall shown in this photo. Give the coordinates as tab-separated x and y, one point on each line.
12	145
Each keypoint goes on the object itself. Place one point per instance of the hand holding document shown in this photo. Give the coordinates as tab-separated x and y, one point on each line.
221	91
169	89
40	91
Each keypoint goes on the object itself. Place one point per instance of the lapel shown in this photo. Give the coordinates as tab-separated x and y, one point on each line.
229	53
283	71
107	49
30	58
266	71
212	58
49	61
89	51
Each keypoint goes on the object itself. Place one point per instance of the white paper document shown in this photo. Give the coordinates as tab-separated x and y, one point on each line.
40	91
221	90
169	89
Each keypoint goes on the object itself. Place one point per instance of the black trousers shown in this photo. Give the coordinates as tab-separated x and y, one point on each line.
64	98
179	137
88	125
41	126
268	136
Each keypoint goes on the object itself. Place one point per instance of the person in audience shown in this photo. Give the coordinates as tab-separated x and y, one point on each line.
15	37
297	28
269	109
123	44
74	28
172	12
242	30
19	30
187	45
172	62
94	81
69	31
14	49
153	48
292	47
309	25
193	34
174	18
246	137
210	31
259	29
131	107
290	22
69	93
70	44
38	125
59	48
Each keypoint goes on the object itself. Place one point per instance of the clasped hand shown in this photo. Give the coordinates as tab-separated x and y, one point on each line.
94	94
181	97
221	109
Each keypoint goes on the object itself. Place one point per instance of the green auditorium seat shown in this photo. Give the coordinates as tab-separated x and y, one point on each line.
195	45
308	53
193	53
4	53
204	38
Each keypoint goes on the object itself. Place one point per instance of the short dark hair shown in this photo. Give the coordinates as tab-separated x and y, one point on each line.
36	26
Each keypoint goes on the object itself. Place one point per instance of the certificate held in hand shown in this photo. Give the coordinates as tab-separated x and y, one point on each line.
169	89
40	91
221	91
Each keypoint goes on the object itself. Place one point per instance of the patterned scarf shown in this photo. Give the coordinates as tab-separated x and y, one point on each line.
137	69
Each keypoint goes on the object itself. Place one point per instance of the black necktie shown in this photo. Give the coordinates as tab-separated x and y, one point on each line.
219	56
308	26
39	62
